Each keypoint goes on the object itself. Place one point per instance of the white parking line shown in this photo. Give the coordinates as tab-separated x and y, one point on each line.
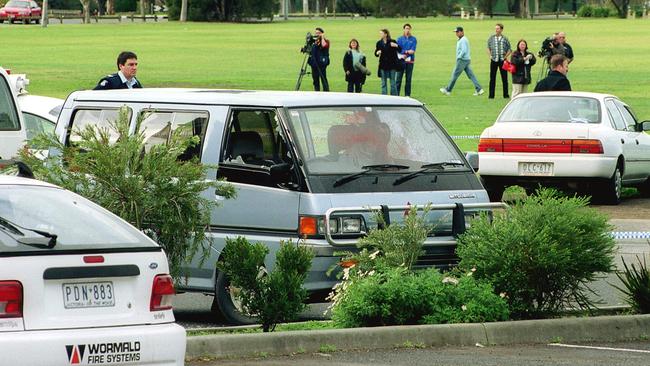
599	348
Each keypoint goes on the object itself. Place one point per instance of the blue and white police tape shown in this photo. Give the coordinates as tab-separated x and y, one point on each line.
630	235
465	137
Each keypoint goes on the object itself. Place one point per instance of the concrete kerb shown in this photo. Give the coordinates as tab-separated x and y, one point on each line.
602	328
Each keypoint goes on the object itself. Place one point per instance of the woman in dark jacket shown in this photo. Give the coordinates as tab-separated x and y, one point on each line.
387	50
354	64
523	61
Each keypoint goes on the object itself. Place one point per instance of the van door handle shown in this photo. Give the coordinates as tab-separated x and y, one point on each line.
622	141
218	197
637	141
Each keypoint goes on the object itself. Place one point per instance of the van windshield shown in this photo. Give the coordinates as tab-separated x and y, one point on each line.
340	140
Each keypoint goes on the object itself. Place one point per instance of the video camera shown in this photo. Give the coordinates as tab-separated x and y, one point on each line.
547	47
310	40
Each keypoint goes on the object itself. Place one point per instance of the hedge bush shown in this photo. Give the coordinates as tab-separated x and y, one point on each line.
541	252
398	296
276	297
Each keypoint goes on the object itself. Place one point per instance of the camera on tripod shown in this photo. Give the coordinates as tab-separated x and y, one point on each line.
310	40
547	47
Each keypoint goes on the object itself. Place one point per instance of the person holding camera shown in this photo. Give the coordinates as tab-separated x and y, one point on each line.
523	61
387	50
562	47
556	79
498	49
319	59
354	65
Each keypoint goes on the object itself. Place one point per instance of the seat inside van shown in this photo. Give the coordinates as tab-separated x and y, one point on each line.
247	145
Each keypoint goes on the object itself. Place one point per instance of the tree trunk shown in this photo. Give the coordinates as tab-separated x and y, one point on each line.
110	7
536	10
305	6
183	17
85	4
44	14
142	7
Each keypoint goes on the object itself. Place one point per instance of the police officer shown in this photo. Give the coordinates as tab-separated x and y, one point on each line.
127	64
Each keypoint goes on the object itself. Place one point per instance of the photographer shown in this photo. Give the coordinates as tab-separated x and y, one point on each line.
319	59
556	45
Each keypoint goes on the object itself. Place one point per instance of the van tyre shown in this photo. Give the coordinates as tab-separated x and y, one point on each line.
494	191
224	302
644	188
609	192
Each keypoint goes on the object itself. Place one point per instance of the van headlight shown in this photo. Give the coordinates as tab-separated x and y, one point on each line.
351	225
334	226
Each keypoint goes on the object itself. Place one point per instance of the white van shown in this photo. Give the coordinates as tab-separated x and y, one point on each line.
12	127
305	165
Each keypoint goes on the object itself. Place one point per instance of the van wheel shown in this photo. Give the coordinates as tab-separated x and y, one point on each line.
494	190
644	188
227	302
609	191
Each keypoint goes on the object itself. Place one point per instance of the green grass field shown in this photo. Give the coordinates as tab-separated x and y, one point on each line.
612	55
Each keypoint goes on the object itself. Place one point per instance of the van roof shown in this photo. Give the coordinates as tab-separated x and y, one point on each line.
237	97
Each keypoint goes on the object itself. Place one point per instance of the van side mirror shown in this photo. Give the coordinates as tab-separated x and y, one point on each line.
472	159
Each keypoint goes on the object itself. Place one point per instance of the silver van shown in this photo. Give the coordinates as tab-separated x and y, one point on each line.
312	166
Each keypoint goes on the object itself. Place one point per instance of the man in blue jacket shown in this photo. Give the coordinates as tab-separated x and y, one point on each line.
408	43
127	66
463	59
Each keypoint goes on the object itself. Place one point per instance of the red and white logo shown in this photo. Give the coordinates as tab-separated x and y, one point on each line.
75	353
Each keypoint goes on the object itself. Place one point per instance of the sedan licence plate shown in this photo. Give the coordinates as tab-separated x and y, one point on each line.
88	295
535	168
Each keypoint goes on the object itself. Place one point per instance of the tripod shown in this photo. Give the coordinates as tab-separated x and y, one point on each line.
543	71
303	67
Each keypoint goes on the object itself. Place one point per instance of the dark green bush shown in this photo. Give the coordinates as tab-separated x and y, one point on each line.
636	285
397	296
602	12
123	6
541	252
277	296
586	11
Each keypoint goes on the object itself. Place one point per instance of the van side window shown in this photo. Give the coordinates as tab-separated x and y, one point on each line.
100	118
160	127
8	117
255	143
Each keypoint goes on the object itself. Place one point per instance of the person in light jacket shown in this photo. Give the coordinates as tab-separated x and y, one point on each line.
354	65
523	61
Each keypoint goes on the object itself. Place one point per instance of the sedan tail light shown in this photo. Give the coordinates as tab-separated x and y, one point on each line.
11	299
587	147
490	145
162	293
544	146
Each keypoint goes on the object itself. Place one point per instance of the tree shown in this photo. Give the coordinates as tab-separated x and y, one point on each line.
44	14
86	9
183	17
621	7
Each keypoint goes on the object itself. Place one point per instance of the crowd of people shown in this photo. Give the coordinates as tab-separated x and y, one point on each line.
396	61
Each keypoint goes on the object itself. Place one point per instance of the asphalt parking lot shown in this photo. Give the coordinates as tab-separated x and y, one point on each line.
605	354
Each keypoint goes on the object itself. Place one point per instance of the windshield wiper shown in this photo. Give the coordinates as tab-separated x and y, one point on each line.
45	240
424	168
367	169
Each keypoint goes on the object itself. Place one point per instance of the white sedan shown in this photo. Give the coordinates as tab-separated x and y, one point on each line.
39	113
78	285
588	142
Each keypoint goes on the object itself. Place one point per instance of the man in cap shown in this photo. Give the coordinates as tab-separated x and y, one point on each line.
463	60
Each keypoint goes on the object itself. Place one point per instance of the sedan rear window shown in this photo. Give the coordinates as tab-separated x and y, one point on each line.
17	4
552	109
78	223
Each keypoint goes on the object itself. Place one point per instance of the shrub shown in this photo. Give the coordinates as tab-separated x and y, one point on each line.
601	12
277	296
636	285
150	188
542	252
586	11
397	296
